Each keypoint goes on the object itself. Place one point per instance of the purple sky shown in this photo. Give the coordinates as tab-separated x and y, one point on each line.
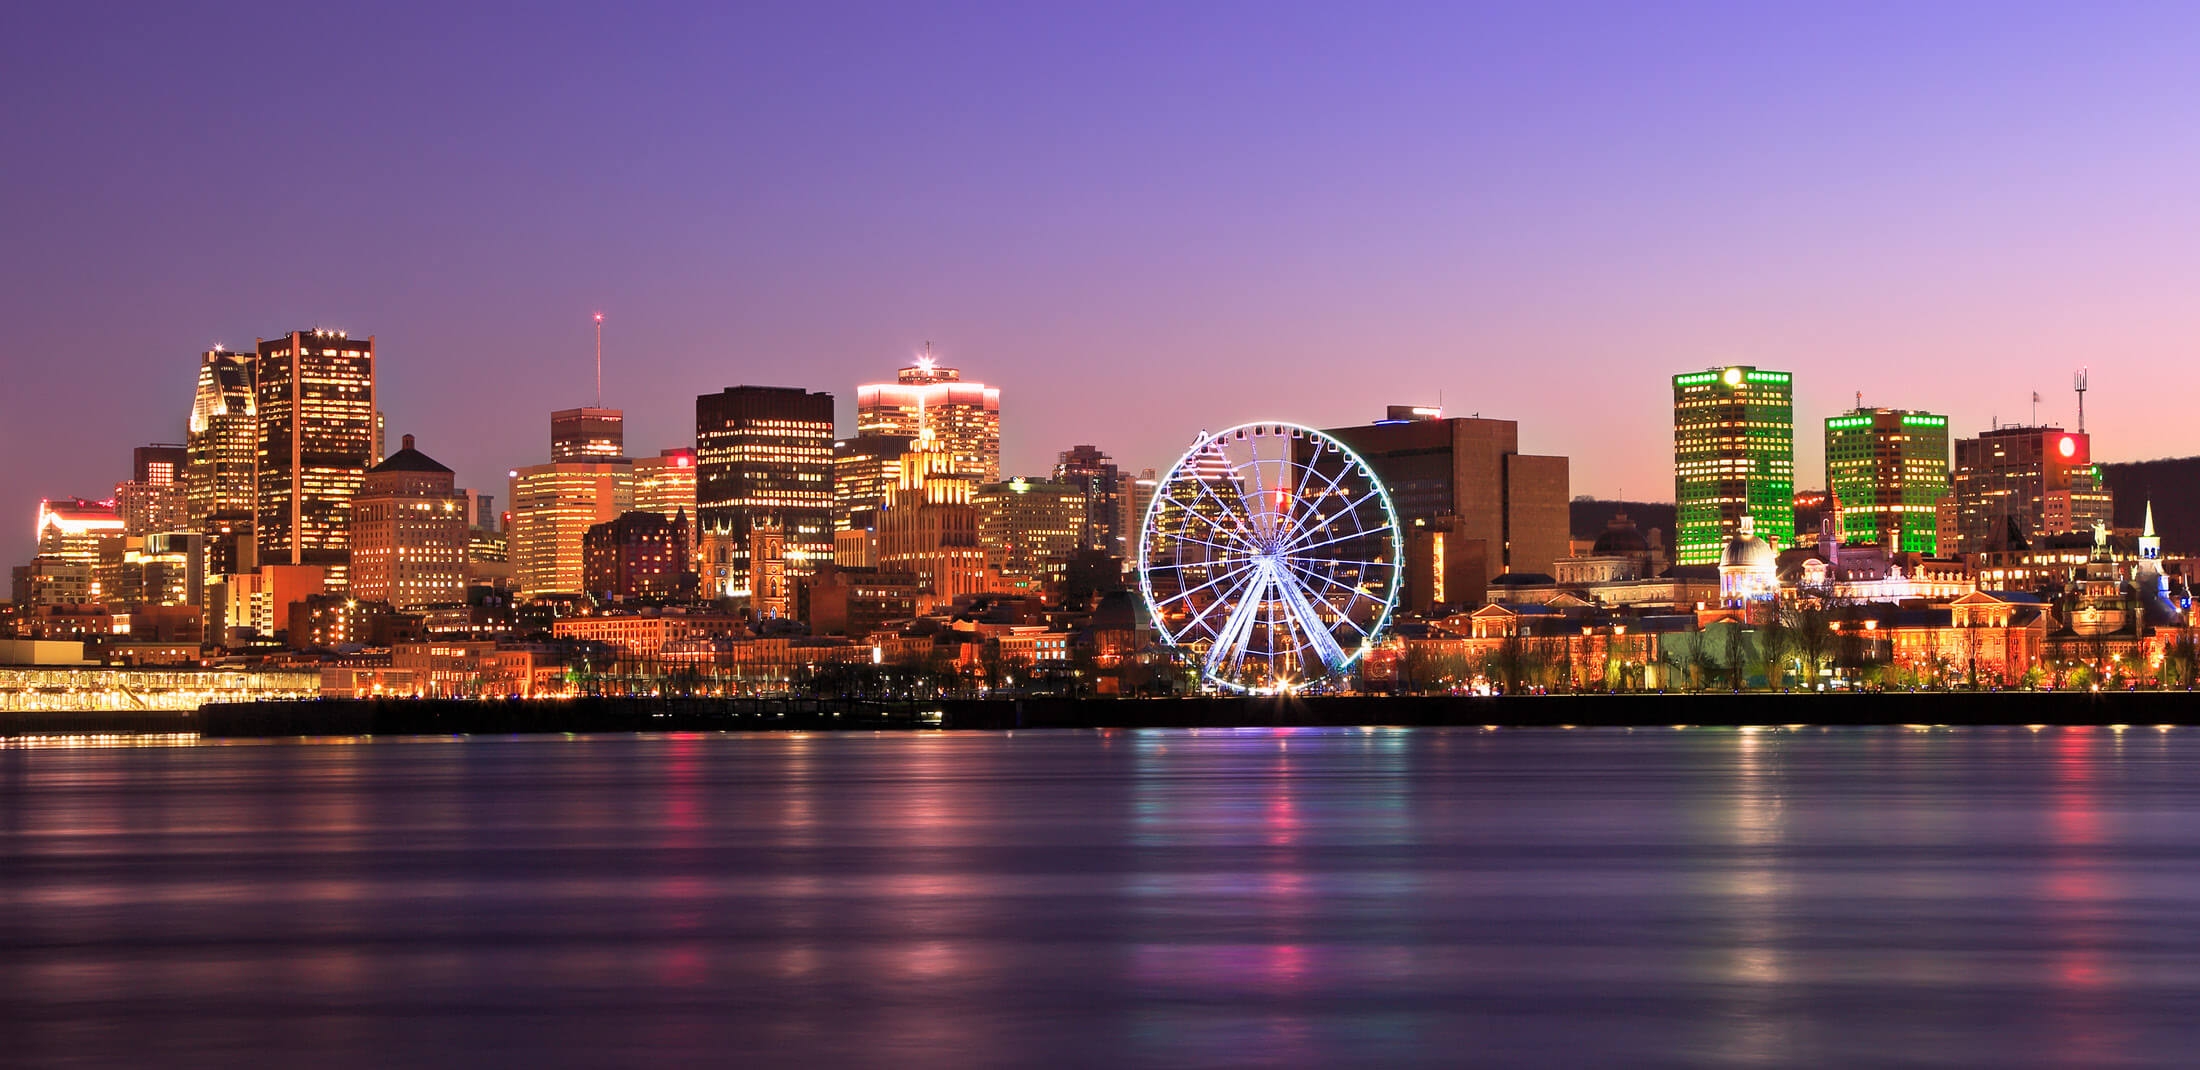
1137	221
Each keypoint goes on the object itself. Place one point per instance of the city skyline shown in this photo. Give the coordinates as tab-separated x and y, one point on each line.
1127	286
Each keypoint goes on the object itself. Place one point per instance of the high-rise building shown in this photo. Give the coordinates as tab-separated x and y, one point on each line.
222	448
1137	497
640	557
963	418
763	458
1094	473
154	497
589	433
315	396
553	506
865	468
1473	506
929	527
2040	481
1887	470
1733	456
1030	528
665	485
409	533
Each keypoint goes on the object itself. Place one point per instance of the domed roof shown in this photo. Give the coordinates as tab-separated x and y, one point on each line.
1749	552
1621	541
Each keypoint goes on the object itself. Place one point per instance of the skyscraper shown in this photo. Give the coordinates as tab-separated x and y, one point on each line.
929	527
315	396
1733	455
665	484
963	418
589	433
409	533
1474	507
1887	470
154	498
1095	474
2041	480
763	461
223	445
1030	528
553	506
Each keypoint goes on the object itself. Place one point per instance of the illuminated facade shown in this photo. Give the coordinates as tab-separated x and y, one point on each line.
963	418
929	527
553	506
588	433
763	458
1030	528
2040	480
640	557
665	485
1888	470
409	533
1733	456
1095	474
315	395
153	498
864	469
222	449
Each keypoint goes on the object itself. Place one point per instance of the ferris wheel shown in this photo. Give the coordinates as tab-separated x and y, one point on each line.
1271	552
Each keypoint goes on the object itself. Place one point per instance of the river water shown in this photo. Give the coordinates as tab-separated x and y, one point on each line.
1253	897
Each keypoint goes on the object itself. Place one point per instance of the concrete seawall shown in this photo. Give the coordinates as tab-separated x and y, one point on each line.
429	717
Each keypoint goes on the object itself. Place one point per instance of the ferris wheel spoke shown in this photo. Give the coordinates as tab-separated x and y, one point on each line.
1351	510
1228	652
1344	611
1346	537
1200	618
1191	510
1317	633
1190	591
1239	549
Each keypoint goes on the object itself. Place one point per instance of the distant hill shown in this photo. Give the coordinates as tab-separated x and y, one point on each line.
2174	487
1589	517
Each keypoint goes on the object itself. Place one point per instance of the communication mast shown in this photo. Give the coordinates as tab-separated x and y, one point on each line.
599	360
2077	382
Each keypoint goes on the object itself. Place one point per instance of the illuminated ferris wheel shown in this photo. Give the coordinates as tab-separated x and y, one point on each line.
1272	553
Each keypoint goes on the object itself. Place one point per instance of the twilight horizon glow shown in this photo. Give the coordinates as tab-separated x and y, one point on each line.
1138	222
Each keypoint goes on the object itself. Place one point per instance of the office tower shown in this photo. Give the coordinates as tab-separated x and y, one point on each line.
553	506
315	396
1094	473
864	469
77	542
1030	528
1136	499
1887	470
640	557
1733	456
222	447
1473	506
154	498
763	460
588	433
2040	480
929	526
409	533
963	418
665	485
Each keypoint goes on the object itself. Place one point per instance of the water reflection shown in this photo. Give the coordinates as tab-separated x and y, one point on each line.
1213	897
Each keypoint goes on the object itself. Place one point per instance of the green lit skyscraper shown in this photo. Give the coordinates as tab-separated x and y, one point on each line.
1888	470
1733	453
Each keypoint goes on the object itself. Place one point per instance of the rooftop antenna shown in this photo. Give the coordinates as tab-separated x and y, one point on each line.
2077	382
599	360
2036	408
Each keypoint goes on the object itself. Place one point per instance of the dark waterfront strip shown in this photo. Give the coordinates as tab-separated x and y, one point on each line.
356	717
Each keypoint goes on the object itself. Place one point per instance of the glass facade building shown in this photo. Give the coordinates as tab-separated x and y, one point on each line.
1733	455
318	432
1888	470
